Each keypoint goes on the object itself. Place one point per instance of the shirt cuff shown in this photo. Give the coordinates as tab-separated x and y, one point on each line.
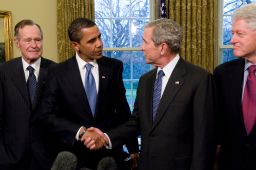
109	146
79	132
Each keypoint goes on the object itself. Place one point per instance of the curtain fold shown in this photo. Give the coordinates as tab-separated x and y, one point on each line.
67	11
198	19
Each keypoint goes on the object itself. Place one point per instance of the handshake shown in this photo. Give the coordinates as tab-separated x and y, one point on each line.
94	139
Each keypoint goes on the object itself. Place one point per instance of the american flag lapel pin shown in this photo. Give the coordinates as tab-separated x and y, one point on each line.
103	77
177	82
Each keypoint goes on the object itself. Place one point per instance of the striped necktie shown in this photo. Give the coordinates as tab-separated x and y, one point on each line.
157	93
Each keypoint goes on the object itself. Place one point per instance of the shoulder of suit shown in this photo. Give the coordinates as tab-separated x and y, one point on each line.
193	69
11	63
47	62
230	65
109	61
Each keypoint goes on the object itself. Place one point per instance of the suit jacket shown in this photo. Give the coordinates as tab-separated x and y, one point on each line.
19	145
65	107
238	150
181	137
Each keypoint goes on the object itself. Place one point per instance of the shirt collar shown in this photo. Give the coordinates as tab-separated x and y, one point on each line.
82	63
35	65
168	69
247	65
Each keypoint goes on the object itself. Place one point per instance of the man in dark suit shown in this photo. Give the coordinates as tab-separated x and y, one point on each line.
21	139
180	134
66	109
237	135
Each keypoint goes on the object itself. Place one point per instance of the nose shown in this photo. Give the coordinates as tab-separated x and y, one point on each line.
99	42
233	39
142	47
33	43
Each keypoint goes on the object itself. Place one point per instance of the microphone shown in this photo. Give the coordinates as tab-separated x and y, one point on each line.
65	160
107	163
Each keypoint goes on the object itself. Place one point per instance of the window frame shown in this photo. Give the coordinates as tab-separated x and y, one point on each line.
152	16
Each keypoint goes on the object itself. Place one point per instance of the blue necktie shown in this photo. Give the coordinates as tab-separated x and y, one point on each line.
31	83
157	92
90	88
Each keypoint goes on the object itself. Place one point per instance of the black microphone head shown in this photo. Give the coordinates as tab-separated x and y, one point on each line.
65	161
107	163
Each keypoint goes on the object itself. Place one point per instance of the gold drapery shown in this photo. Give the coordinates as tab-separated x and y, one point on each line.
198	19
67	11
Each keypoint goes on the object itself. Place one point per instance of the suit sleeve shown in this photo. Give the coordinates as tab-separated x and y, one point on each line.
49	110
204	124
124	111
6	158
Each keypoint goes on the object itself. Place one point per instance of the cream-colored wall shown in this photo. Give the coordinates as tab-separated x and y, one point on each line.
42	12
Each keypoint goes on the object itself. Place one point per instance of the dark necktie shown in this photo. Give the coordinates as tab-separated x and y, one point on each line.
157	93
90	88
31	83
249	100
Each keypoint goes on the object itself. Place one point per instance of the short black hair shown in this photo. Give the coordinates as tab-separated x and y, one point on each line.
74	30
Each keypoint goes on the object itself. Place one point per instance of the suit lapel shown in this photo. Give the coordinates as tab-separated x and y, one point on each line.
149	88
103	82
19	80
172	88
75	81
41	81
234	77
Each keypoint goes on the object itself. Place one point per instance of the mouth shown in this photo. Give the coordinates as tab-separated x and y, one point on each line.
98	53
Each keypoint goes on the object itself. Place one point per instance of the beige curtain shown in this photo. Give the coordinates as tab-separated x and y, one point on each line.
67	11
198	19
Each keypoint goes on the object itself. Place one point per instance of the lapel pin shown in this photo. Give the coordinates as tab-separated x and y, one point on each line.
103	77
177	82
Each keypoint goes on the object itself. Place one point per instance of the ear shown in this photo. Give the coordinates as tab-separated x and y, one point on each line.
16	42
163	48
74	45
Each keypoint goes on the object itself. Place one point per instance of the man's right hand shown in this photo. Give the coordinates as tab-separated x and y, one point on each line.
94	139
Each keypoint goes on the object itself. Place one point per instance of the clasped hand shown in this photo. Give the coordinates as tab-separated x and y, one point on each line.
94	139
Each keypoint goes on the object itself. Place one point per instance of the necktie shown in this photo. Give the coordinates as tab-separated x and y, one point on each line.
249	100
31	83
90	88
157	92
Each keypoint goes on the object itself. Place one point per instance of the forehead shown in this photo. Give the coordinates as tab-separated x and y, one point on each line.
148	32
240	24
91	32
29	30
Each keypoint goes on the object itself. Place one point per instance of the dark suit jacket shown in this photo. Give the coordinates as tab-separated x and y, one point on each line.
65	107
181	137
238	150
19	146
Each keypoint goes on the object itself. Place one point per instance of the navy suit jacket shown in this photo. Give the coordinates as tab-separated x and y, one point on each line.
238	150
182	135
65	107
19	146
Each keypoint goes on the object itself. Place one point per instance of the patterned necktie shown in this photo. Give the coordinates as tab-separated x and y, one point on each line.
90	88
31	83
157	92
249	100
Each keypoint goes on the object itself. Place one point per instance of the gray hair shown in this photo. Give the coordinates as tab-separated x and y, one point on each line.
166	31
22	24
247	13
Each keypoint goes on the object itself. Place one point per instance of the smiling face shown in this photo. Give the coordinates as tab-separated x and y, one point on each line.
29	41
90	46
244	40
